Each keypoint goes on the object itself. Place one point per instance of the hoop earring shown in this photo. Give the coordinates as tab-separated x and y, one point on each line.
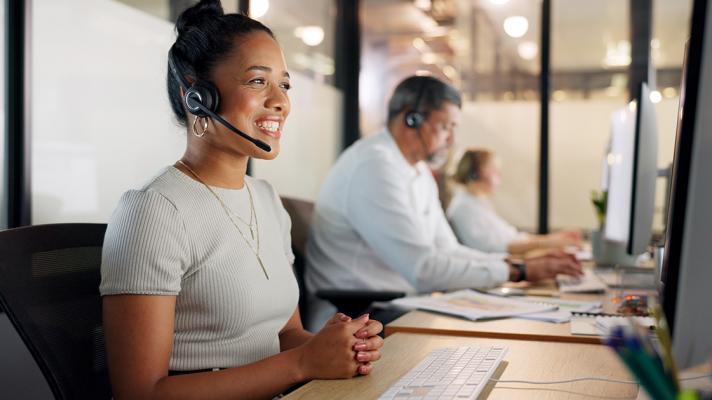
205	126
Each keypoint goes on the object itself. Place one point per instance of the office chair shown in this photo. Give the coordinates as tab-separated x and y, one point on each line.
349	302
49	288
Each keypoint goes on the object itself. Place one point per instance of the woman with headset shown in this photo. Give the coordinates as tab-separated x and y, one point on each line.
475	221
199	298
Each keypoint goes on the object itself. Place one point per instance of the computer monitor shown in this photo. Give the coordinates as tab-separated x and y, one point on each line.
687	266
632	174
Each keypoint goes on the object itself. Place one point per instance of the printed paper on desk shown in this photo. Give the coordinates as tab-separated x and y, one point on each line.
473	305
565	307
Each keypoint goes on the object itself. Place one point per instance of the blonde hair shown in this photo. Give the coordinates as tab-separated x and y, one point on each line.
470	165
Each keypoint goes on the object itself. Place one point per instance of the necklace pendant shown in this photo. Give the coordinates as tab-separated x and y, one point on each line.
259	260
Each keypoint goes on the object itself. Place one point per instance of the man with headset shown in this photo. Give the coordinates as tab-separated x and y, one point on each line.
378	223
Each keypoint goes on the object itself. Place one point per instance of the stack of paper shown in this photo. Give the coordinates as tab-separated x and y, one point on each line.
474	305
563	311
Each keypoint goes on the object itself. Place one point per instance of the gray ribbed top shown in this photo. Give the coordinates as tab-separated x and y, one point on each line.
173	238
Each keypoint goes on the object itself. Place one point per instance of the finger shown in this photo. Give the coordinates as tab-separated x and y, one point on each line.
372	328
368	356
365	369
338	317
572	269
372	343
356	324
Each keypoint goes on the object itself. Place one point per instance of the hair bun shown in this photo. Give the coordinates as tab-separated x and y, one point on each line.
197	14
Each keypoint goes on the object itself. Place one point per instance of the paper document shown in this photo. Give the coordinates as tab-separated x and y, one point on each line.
473	305
600	325
563	311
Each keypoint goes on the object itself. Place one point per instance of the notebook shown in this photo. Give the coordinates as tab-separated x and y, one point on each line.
599	324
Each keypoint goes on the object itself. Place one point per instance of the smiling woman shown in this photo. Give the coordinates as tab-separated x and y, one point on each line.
199	296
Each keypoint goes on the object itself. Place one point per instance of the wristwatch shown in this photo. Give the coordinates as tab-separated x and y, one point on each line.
521	268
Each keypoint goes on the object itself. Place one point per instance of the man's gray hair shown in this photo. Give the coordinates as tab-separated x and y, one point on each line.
433	93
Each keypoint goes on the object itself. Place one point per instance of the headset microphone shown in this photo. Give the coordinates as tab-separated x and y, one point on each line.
262	145
202	99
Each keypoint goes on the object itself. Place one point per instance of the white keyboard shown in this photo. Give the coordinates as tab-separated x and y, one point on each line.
448	373
588	283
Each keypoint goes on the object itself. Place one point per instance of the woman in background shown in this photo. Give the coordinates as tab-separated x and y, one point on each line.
199	296
475	221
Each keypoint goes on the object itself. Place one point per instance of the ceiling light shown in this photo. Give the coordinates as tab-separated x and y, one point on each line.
429	58
527	50
617	54
669	92
450	72
258	8
420	44
499	2
516	26
655	96
310	35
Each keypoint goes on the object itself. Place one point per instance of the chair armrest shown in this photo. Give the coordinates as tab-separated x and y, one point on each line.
360	295
355	302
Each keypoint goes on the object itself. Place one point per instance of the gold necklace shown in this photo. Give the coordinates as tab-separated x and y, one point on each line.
229	213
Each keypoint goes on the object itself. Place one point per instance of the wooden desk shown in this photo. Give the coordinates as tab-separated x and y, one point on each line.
508	328
525	360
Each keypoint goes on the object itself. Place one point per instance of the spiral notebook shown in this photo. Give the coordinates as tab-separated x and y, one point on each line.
599	324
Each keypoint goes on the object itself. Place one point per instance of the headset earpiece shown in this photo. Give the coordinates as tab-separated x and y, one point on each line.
205	93
415	117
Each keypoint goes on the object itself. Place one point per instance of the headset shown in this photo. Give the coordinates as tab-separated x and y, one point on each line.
474	176
415	118
202	99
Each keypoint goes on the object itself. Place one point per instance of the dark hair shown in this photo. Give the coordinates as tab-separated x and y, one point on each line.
205	37
433	93
470	166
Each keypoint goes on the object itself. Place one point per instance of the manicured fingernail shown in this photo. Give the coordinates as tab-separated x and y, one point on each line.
362	334
360	346
361	356
363	369
364	317
344	317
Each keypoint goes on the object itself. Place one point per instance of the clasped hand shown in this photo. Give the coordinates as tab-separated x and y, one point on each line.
343	348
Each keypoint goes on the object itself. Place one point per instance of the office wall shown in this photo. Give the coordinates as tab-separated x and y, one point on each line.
101	121
578	140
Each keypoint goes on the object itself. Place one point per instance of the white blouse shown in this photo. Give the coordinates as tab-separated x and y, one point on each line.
477	224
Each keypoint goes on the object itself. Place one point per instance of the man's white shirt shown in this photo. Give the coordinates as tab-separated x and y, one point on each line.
378	225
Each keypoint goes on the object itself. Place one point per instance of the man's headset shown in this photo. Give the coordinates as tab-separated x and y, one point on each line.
202	99
415	117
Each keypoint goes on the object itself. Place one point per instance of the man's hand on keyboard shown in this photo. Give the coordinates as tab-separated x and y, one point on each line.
551	263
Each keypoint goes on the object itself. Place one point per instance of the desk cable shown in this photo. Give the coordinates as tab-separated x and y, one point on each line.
587	378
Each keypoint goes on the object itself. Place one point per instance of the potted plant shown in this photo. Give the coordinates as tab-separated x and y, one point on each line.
606	253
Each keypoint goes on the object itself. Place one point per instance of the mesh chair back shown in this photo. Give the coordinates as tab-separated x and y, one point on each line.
49	287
